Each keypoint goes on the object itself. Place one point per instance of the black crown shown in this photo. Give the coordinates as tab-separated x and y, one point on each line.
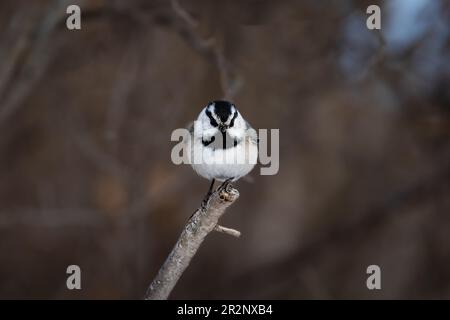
222	109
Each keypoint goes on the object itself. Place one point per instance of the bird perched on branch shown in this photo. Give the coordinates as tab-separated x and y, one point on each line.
223	145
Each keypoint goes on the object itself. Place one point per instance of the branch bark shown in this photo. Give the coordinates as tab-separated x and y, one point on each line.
229	231
202	222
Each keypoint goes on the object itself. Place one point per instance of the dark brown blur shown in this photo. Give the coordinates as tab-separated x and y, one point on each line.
86	176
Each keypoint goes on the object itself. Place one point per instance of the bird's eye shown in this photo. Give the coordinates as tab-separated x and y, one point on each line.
211	119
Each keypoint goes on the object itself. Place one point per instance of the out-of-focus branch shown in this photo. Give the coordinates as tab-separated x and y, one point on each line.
183	14
377	58
127	74
34	54
210	48
51	218
187	27
202	222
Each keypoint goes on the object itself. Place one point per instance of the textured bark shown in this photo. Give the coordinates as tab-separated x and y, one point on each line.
202	222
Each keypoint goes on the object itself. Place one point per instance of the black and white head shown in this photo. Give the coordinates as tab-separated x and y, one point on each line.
222	116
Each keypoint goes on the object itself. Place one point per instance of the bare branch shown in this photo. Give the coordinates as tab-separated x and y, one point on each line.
202	222
229	231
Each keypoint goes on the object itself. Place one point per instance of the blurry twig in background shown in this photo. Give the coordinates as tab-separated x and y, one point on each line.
202	222
30	54
80	217
183	14
377	57
127	74
210	49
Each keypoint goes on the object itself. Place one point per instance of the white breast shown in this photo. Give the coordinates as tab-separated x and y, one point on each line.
223	164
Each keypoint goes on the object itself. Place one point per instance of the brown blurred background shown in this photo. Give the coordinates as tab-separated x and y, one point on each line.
364	119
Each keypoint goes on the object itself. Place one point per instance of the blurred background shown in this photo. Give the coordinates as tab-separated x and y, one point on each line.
364	118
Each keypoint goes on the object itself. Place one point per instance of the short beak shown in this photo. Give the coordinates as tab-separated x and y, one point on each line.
223	128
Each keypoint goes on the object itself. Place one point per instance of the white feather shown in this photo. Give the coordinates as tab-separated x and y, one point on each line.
218	163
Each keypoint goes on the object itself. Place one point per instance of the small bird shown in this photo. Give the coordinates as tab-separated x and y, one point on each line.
223	145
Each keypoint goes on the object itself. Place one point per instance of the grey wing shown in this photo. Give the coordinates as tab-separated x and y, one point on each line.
251	133
190	127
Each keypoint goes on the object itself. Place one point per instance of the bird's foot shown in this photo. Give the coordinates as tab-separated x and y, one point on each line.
208	195
226	184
